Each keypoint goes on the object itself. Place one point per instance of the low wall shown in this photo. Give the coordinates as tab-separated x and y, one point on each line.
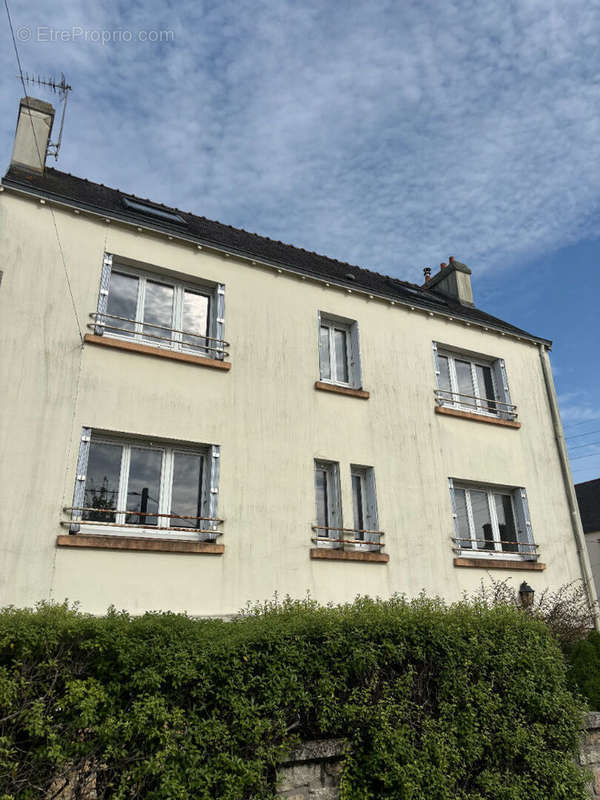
590	752
312	771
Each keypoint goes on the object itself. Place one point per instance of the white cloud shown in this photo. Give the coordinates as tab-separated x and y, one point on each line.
389	135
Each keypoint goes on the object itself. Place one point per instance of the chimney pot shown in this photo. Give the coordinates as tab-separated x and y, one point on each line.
427	273
34	125
450	259
443	265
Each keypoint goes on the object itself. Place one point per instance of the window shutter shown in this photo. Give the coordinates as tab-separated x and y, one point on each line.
220	319
213	487
371	503
436	364
80	477
524	531
355	367
454	516
103	294
502	385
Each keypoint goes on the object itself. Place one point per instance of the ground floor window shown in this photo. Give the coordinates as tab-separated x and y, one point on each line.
158	487
491	520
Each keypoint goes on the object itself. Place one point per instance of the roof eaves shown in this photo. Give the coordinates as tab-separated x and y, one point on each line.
419	300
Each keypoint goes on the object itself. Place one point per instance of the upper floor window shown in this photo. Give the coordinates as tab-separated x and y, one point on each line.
339	357
159	311
473	383
492	520
153	487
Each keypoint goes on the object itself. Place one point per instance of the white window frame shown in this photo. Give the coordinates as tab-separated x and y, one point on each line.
334	502
479	402
524	544
353	367
209	492
215	294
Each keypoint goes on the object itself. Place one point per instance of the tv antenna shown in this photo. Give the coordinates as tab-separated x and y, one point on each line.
61	88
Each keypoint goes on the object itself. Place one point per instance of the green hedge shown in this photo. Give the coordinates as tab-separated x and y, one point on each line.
438	703
584	668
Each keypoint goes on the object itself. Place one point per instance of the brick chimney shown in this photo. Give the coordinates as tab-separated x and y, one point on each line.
454	281
34	126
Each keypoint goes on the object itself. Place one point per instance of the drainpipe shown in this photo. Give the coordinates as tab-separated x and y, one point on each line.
584	561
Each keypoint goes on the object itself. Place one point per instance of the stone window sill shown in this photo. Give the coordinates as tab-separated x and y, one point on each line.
499	563
331	387
110	542
349	555
455	412
159	352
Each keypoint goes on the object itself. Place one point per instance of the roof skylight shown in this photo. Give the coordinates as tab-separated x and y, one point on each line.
151	211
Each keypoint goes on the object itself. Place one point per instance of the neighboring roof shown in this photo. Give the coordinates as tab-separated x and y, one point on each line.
95	197
588	497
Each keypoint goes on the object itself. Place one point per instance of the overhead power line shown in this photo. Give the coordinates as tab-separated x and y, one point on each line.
589	444
579	435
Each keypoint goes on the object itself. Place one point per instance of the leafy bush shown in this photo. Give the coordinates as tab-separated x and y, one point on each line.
566	611
584	668
438	703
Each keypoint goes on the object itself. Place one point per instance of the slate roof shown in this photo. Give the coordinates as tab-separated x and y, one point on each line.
588	498
96	197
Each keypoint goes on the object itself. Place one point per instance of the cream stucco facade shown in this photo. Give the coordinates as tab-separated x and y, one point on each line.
267	417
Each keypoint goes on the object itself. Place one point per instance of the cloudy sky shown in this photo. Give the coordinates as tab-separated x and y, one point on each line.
387	134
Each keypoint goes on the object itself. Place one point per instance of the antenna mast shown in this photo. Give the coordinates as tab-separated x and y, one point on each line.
62	88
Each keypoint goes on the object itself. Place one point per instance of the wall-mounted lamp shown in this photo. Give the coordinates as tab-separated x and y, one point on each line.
526	595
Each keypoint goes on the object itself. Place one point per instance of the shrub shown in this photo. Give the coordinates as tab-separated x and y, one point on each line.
458	703
584	668
566	611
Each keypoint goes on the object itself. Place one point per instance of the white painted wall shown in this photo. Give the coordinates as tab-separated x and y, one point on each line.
592	541
269	420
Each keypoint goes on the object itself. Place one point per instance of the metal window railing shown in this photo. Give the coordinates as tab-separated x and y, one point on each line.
340	542
213	348
485	405
489	547
77	517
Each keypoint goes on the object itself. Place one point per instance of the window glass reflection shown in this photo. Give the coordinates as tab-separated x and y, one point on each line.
187	490
122	302
195	319
158	310
341	355
506	523
322	500
102	482
482	520
462	519
144	485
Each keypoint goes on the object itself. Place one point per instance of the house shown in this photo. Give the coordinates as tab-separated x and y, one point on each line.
588	497
196	416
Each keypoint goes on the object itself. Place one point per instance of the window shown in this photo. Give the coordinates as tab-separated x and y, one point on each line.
157	488
160	312
329	530
472	383
364	502
339	361
152	211
327	492
492	521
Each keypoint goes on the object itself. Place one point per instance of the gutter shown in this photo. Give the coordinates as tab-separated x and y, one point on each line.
582	553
